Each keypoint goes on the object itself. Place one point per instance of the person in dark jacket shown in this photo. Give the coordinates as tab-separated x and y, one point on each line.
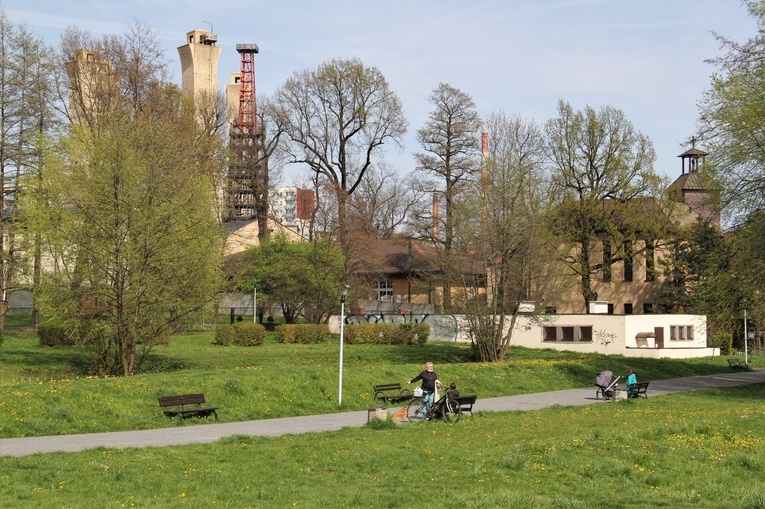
453	393
429	379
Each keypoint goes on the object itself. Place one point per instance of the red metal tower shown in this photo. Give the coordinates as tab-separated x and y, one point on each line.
247	121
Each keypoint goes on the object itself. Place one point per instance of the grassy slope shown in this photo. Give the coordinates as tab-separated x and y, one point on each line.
46	391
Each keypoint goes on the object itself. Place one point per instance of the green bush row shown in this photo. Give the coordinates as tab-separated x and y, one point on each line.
302	333
387	333
54	335
240	334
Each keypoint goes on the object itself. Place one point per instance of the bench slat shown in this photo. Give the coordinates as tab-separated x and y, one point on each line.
391	392
638	389
187	399
466	402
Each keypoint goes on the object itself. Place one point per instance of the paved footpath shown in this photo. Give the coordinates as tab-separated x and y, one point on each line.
207	433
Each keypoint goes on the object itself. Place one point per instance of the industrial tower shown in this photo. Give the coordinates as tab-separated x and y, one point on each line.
199	67
248	169
93	87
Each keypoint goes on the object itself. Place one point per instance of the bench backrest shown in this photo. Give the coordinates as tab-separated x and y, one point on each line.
387	387
187	399
639	387
466	401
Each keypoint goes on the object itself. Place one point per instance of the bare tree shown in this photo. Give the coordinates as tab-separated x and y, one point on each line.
26	119
501	226
113	71
337	118
383	202
449	140
602	167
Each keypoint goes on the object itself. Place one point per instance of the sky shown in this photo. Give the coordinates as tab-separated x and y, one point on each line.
645	57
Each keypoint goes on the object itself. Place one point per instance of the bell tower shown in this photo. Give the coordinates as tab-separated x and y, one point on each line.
694	189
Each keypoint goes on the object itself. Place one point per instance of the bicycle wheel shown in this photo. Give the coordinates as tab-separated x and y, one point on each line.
416	411
451	411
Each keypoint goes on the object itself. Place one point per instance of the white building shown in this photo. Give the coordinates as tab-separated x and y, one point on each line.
655	336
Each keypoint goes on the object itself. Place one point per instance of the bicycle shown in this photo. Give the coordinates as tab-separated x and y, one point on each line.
446	408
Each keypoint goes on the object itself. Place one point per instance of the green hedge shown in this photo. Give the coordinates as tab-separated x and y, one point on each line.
302	333
240	334
387	333
54	335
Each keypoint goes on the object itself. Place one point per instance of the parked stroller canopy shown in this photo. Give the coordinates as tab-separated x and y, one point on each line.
605	384
603	379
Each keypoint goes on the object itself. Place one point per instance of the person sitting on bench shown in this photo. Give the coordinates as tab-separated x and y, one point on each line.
631	380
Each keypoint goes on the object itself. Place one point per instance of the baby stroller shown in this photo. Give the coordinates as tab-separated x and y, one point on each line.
606	386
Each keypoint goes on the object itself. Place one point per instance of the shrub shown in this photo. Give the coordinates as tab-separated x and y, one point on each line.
54	335
421	333
302	333
249	334
361	333
224	334
723	341
393	333
387	333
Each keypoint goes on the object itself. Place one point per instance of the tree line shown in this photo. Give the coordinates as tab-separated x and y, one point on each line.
113	212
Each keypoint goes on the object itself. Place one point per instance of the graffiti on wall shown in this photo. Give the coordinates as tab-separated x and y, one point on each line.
603	337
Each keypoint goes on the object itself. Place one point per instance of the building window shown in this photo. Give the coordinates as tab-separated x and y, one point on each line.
650	261
606	262
647	308
681	333
568	333
627	308
382	290
628	261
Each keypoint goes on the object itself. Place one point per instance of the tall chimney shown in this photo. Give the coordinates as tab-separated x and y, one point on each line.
435	215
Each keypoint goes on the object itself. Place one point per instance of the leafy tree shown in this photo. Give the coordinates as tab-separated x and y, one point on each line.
602	175
501	228
337	117
449	140
700	277
733	118
732	122
26	119
126	214
302	278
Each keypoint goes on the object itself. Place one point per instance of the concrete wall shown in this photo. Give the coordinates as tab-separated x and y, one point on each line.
611	334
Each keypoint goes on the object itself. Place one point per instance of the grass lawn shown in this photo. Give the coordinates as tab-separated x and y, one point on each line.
47	391
694	450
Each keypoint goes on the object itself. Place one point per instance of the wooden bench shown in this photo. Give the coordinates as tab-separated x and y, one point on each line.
466	402
188	404
637	390
736	363
391	393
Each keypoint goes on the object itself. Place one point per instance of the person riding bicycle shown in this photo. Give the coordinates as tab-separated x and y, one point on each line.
429	380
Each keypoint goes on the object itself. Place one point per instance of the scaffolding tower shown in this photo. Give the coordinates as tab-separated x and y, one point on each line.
248	169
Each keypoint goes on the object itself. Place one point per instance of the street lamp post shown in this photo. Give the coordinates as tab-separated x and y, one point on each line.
255	301
746	337
342	323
